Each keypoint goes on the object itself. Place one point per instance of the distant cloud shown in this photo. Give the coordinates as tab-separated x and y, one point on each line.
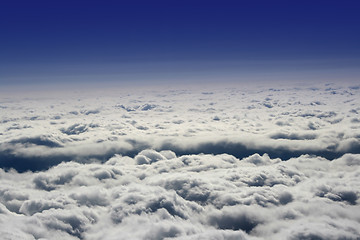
74	129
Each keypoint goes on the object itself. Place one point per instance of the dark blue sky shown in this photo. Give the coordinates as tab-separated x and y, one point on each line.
122	41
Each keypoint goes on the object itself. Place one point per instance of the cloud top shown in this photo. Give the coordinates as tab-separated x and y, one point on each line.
226	163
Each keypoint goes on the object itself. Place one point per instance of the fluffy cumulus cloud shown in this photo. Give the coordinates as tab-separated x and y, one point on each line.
225	163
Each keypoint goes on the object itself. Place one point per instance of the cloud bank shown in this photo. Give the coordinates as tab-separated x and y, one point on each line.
157	195
252	162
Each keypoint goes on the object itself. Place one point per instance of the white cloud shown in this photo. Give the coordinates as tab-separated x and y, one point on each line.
239	163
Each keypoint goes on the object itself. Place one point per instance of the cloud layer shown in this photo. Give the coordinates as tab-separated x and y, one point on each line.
283	122
251	162
156	195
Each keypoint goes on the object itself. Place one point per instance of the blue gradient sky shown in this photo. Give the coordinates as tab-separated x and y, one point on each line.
174	41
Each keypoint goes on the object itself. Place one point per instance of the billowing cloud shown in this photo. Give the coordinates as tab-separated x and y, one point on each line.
228	163
190	197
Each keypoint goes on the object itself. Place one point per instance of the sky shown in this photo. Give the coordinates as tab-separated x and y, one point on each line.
254	160
68	42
